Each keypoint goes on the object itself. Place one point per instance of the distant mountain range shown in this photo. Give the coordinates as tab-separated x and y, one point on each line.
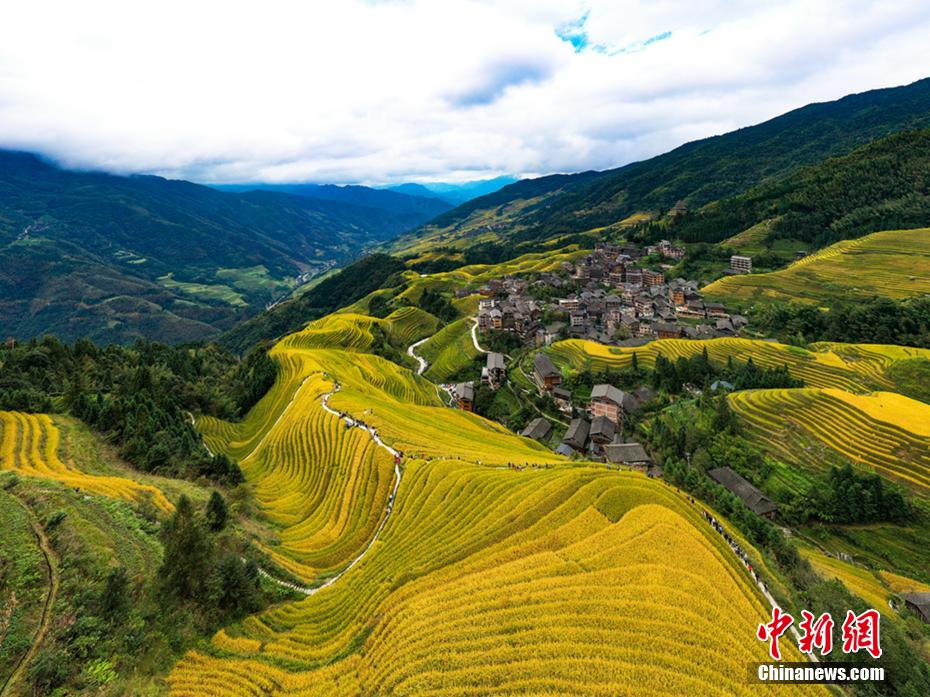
456	194
115	258
415	204
696	173
433	198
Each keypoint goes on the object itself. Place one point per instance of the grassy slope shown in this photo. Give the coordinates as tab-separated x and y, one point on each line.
24	584
894	264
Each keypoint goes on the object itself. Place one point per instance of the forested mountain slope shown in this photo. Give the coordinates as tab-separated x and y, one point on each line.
696	173
881	186
115	258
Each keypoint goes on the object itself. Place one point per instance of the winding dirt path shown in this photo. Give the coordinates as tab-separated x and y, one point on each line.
423	364
474	336
45	622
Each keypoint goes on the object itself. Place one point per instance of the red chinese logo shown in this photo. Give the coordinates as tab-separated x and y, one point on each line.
860	632
817	634
773	630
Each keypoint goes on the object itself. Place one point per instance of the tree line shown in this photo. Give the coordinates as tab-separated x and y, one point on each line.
139	397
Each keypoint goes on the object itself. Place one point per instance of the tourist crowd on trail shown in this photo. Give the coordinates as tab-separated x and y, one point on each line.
737	550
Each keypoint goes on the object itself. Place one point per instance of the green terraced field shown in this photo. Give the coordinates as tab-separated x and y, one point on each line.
894	264
449	350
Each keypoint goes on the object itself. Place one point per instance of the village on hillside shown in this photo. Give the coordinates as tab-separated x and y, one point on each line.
606	296
612	297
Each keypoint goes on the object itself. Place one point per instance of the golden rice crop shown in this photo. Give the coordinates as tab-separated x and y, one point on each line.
568	580
29	445
892	263
857	579
885	432
556	579
851	367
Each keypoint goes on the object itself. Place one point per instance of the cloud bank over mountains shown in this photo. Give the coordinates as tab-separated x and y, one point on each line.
389	91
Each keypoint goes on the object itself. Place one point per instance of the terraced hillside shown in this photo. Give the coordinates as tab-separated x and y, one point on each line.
553	578
894	264
488	581
814	428
852	367
876	588
449	350
29	445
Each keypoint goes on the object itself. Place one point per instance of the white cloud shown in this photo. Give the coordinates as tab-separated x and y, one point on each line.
421	90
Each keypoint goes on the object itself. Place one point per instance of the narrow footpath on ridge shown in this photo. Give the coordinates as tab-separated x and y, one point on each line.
45	620
373	432
737	550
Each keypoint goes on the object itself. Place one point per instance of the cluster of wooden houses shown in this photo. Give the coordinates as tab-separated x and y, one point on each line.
494	373
598	435
607	298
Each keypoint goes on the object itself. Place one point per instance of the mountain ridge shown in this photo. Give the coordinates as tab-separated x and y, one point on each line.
696	173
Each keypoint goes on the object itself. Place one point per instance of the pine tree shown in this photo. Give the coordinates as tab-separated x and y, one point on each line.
188	552
217	512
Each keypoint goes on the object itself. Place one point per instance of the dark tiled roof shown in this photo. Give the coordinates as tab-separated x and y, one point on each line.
602	428
495	361
537	428
577	434
544	366
919	601
465	391
627	453
754	499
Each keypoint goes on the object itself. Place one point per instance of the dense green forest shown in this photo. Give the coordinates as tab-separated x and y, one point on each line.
139	397
882	186
875	321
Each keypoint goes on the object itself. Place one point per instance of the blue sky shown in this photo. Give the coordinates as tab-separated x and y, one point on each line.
417	90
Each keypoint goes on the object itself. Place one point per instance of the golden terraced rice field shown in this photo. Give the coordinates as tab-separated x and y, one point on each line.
893	263
560	578
568	580
29	445
852	367
885	432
